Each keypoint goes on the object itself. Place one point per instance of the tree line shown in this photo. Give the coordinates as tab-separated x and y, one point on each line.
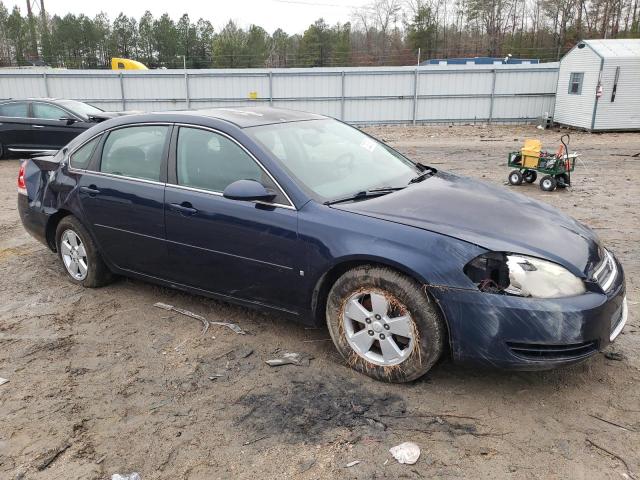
384	32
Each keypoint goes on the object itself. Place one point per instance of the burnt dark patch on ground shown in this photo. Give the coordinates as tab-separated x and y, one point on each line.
311	410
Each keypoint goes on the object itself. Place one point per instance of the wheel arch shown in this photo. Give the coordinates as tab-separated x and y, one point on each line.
52	225
330	276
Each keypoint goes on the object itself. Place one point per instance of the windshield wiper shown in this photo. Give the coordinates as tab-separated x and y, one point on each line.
427	171
374	192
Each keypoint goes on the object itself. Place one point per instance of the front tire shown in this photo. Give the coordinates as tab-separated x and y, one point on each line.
79	255
384	324
548	183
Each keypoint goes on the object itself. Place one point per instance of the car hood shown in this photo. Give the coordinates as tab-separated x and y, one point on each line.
489	216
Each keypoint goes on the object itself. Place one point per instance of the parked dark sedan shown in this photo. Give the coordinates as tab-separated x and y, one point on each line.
41	124
305	215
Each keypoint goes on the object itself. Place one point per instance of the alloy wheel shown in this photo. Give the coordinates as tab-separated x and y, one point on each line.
74	255
378	327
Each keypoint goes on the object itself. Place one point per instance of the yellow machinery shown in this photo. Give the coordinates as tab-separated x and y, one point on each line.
126	64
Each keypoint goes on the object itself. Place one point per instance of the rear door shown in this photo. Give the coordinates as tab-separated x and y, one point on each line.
49	131
15	125
245	250
123	198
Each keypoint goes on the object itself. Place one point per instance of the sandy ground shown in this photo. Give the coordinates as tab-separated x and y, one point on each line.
101	382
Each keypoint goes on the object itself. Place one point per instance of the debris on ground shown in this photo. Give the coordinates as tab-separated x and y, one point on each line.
352	464
617	356
407	452
3	380
126	476
205	323
291	358
52	455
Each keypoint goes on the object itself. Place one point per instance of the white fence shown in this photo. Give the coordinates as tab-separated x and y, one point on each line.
362	95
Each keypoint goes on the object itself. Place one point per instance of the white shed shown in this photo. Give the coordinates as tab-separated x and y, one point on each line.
599	86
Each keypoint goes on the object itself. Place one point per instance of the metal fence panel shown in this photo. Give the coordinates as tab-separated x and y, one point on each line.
361	95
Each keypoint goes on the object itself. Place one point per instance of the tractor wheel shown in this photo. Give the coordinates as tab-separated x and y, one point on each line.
548	183
530	176
515	177
562	180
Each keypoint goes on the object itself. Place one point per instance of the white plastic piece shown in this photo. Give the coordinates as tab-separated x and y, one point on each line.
407	452
126	476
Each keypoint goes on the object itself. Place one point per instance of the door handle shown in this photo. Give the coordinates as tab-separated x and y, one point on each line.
92	190
37	126
184	208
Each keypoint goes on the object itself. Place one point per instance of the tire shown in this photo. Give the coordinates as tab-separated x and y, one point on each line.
1	152
562	180
530	176
515	177
82	258
384	304
548	183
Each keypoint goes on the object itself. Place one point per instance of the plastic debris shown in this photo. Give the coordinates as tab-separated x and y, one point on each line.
205	323
352	464
126	476
3	380
290	358
407	452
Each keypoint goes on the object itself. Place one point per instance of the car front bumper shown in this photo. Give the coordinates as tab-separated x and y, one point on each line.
531	334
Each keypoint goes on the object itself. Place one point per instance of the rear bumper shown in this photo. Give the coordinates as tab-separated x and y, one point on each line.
531	334
34	221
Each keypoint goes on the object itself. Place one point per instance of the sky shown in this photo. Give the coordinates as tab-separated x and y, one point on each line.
293	16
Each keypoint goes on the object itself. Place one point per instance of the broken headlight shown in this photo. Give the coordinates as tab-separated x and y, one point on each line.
524	276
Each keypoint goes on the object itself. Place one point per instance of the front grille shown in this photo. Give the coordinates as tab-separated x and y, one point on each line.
537	351
605	273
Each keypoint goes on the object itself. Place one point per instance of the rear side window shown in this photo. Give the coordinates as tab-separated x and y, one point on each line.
81	157
209	161
14	110
135	152
48	112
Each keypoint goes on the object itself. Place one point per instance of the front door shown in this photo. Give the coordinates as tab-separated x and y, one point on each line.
245	250
48	131
123	199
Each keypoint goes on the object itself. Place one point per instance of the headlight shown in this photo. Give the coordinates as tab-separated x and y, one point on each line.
513	274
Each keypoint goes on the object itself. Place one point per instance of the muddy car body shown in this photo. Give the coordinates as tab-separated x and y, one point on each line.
399	271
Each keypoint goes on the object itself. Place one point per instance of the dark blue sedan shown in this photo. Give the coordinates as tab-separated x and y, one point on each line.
307	216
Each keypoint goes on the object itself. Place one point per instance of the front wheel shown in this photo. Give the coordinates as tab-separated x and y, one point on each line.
384	324
548	183
79	254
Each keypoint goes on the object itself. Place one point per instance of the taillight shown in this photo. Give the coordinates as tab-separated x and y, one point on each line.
22	186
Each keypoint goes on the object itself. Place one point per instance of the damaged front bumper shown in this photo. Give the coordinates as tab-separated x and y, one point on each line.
529	333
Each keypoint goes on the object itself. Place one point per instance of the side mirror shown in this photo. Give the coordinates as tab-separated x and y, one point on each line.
248	190
68	120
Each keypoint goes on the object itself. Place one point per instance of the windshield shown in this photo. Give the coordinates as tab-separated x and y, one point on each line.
80	108
331	160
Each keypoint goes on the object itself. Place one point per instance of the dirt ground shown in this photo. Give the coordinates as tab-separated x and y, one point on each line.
101	382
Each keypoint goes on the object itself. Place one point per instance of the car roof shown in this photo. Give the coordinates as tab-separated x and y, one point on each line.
244	117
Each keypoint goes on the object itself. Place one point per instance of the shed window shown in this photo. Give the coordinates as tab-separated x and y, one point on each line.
575	83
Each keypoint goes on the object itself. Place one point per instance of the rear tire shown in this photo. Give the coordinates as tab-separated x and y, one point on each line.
79	255
548	183
562	180
515	177
384	324
530	176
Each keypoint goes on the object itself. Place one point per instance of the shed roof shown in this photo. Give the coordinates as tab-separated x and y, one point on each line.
619	48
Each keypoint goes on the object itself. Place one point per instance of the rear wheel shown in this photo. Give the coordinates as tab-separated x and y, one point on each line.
530	176
79	255
548	183
515	177
384	324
